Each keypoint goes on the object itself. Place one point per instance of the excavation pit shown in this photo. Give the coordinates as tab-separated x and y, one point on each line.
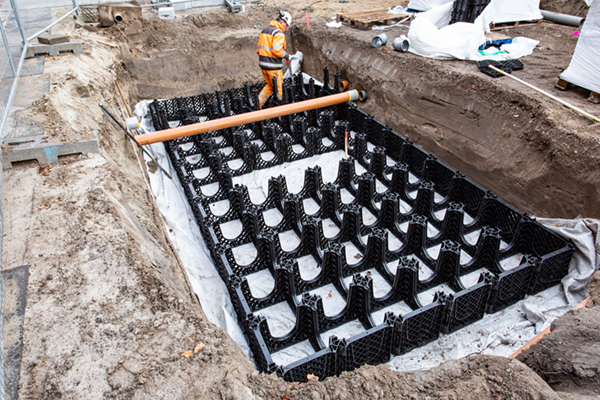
116	308
389	251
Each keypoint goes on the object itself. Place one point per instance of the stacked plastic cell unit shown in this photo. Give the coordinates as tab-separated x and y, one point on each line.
467	10
435	251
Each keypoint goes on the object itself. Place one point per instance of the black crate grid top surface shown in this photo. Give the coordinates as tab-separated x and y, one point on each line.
414	225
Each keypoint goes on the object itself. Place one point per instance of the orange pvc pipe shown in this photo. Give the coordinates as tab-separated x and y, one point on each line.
254	116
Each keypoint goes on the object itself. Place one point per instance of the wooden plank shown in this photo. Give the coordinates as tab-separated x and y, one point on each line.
361	13
562	84
365	20
381	17
515	24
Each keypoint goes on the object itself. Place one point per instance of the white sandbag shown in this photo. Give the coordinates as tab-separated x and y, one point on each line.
584	69
516	10
431	36
426	5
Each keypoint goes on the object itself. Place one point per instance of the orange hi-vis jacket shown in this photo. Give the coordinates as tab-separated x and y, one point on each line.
271	46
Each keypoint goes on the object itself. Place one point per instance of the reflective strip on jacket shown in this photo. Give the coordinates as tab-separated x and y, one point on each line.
270	46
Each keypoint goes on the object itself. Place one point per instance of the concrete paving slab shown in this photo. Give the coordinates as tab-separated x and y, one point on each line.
15	282
33	66
46	38
17	126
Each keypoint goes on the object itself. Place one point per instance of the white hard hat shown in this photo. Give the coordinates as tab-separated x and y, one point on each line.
286	17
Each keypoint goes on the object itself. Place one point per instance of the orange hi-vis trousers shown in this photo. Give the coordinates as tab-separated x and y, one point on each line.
268	89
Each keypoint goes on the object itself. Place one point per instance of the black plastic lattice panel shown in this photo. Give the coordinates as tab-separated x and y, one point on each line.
486	254
506	66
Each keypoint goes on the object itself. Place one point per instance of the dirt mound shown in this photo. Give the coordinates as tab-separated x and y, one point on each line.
578	8
569	357
594	290
478	377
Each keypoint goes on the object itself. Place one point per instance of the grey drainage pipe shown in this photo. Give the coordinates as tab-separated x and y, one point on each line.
401	44
564	19
379	40
118	18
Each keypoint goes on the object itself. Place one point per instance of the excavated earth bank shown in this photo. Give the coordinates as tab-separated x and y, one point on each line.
518	145
110	310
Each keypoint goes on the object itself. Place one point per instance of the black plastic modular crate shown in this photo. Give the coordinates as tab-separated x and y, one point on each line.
467	10
420	192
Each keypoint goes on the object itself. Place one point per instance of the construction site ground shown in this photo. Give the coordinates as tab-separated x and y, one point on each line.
109	306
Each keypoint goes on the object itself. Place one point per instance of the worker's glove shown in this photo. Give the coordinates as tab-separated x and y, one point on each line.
287	57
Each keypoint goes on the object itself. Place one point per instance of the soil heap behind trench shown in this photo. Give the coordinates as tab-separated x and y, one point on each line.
109	308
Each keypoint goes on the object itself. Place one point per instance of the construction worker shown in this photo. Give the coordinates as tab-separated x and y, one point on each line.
271	53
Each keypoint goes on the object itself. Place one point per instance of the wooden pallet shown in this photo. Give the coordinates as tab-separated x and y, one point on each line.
366	19
515	24
564	85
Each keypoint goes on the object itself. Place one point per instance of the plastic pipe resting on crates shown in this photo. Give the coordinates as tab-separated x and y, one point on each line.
254	116
565	19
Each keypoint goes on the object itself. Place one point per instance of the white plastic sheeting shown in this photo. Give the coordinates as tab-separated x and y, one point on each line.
516	10
506	10
501	333
426	5
431	36
586	260
584	69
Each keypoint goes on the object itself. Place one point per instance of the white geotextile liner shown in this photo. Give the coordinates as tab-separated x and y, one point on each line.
431	36
500	334
584	69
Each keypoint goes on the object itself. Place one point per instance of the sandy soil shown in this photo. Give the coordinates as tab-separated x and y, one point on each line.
109	309
568	358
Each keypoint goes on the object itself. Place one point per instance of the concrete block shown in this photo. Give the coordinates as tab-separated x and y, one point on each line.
53	49
49	153
166	13
47	38
234	6
15	282
110	13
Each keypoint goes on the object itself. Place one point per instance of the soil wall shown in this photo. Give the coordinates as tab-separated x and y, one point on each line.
200	56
